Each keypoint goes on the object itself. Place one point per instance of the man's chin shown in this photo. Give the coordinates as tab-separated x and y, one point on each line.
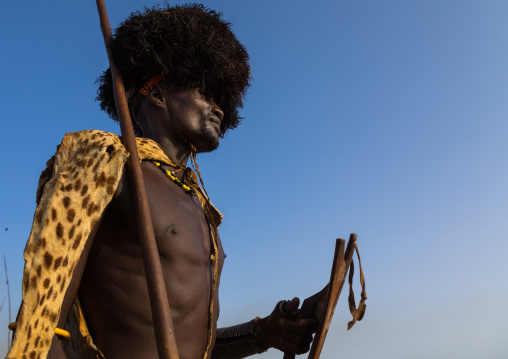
208	144
209	148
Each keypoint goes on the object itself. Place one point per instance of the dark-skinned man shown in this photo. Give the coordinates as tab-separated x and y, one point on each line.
186	75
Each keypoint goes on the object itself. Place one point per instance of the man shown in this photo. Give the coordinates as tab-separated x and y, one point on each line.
186	75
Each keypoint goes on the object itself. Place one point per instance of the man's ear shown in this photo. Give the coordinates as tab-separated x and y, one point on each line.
155	95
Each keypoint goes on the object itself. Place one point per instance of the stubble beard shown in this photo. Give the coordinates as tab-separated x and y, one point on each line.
209	138
204	139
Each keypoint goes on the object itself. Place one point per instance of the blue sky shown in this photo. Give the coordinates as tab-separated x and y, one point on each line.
383	118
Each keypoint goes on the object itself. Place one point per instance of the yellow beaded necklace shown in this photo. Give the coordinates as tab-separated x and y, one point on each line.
172	177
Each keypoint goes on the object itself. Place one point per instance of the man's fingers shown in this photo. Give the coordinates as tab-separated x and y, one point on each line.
293	327
296	338
288	347
290	306
310	324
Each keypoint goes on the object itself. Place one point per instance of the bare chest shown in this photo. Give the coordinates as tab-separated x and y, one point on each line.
179	223
114	280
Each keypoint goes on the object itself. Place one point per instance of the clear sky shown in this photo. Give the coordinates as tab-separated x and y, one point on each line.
383	118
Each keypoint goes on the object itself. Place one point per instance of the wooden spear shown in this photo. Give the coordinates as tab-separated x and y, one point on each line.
161	315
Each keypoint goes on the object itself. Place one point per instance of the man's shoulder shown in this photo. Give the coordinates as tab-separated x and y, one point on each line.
88	155
89	139
91	133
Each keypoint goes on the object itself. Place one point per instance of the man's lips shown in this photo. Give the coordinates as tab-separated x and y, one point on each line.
215	120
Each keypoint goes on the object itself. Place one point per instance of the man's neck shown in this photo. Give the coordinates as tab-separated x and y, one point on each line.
179	153
155	127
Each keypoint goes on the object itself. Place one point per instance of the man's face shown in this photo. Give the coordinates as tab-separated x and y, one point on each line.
196	117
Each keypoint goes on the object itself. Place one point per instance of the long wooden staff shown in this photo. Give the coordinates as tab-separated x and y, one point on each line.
161	315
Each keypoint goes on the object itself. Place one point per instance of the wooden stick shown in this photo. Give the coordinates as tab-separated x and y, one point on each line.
161	315
340	266
9	298
337	279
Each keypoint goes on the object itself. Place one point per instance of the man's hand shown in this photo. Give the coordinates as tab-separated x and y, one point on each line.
314	306
281	329
290	329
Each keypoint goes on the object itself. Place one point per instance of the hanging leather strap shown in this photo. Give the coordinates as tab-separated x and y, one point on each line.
356	312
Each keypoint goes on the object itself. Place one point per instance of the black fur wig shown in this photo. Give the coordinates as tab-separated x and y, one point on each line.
191	46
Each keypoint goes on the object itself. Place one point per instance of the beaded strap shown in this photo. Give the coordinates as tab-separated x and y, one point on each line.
239	341
172	177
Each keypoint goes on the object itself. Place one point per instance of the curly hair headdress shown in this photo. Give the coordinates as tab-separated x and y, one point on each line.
190	47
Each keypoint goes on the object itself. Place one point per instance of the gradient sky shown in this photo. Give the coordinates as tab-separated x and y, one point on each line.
383	118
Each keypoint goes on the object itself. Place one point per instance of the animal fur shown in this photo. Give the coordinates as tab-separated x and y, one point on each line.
74	189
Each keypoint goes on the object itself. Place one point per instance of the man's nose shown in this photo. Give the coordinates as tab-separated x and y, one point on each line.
216	110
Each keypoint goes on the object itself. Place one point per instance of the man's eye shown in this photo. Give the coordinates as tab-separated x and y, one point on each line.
207	96
202	91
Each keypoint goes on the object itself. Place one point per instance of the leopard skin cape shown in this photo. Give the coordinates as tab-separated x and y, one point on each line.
74	189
